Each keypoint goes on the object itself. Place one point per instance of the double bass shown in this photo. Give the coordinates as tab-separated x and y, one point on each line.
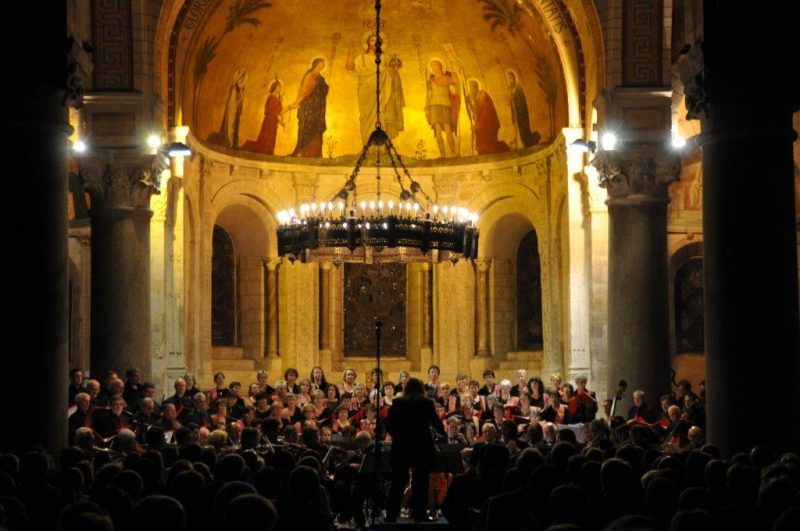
622	386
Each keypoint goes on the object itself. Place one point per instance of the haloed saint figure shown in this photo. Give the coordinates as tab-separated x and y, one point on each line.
228	134
310	104
362	66
519	111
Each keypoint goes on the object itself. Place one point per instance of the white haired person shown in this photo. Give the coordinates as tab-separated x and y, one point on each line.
504	396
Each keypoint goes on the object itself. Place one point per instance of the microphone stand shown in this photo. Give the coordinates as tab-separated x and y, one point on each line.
378	422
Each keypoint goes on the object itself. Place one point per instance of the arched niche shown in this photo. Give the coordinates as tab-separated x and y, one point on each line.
249	241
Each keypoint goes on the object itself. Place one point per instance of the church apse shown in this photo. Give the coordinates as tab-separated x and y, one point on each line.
479	80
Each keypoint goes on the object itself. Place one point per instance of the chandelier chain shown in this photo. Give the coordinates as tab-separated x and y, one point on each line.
378	53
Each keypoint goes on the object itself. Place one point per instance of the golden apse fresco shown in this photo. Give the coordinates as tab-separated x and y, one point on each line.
459	78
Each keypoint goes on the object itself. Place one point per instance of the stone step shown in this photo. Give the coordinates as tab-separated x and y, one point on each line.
227	353
241	364
511	366
524	356
245	377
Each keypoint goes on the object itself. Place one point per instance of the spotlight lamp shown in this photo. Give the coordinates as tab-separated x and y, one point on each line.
165	152
586	146
178	149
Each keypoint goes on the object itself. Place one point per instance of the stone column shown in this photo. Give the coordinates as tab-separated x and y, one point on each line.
325	306
483	266
427	305
38	94
580	242
272	307
749	222
638	319
121	215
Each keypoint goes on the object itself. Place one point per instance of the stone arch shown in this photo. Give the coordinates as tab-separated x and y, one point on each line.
248	226
225	297
250	216
502	250
250	235
497	202
528	296
503	226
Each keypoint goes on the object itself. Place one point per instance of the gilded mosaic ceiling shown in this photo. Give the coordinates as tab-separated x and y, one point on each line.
297	78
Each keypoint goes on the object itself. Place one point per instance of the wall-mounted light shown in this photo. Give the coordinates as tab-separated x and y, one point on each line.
178	149
678	142
586	146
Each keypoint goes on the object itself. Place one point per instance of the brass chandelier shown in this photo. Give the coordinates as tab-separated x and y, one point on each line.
379	228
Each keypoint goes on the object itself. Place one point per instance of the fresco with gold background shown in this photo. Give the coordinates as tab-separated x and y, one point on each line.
242	49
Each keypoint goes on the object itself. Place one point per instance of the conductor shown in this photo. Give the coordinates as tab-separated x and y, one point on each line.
409	423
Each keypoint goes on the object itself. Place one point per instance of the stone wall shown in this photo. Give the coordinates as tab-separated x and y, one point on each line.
512	193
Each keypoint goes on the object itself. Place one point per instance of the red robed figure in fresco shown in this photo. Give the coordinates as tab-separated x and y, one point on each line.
273	111
487	124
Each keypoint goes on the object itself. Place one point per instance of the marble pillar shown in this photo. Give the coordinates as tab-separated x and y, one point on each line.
749	222
272	307
482	268
325	306
580	231
636	179
121	328
427	305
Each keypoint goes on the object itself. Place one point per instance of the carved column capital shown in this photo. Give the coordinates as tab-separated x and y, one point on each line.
79	73
637	172
272	264
122	183
691	71
484	264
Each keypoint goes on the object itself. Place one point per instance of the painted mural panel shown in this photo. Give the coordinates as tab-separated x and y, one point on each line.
287	78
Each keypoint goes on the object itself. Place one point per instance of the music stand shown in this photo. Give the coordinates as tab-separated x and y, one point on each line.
373	462
448	458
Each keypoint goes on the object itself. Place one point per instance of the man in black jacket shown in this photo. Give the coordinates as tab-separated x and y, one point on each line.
409	423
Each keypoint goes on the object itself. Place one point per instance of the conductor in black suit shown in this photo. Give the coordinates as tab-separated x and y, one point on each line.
409	423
